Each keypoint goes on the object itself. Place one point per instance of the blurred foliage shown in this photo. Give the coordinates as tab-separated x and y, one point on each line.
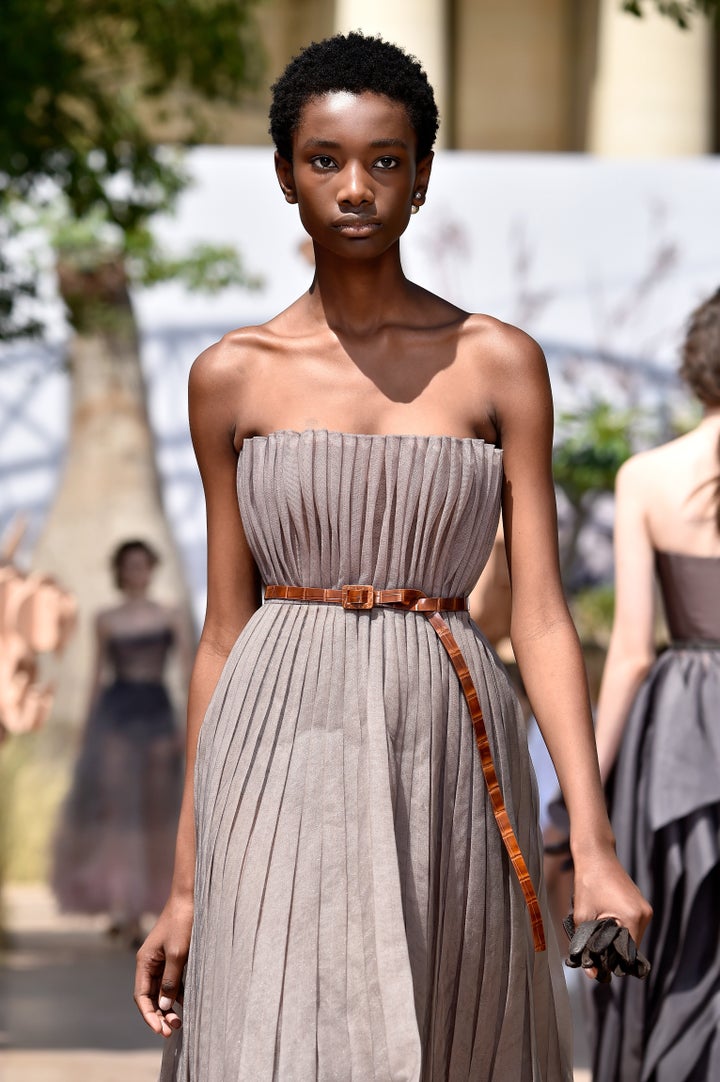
92	241
80	85
76	74
680	11
591	447
18	286
593	610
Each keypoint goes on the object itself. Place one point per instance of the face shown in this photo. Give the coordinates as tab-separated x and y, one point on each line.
354	173
135	570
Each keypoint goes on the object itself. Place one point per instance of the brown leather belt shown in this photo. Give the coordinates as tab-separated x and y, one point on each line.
363	598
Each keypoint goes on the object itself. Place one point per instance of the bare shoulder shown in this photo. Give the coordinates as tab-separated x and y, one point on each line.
646	471
227	379
502	346
508	369
230	365
226	364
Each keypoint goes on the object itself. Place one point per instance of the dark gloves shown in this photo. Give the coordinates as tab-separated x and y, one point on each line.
606	945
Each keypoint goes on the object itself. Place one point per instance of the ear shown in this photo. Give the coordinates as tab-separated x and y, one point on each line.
422	174
284	173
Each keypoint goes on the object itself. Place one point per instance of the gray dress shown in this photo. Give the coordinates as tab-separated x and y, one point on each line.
665	807
356	916
114	843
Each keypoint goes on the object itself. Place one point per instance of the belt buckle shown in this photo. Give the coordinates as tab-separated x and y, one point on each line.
358	597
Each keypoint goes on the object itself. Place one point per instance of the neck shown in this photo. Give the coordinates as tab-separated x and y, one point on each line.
358	298
138	594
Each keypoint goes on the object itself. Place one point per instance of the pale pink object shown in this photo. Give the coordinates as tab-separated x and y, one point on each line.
36	616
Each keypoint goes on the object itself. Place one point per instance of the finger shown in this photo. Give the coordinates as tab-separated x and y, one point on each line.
149	1013
169	1020
162	1023
169	1023
148	971
169	991
170	984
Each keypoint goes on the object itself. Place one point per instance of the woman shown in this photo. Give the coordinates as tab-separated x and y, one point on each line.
657	729
112	852
356	914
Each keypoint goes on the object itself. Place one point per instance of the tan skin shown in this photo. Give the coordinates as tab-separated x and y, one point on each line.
366	350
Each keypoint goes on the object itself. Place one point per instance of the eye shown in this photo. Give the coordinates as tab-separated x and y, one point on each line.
322	161
386	162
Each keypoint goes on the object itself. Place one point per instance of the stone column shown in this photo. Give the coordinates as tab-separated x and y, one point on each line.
511	75
651	93
418	26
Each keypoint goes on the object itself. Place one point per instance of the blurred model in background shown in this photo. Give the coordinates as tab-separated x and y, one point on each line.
114	846
658	737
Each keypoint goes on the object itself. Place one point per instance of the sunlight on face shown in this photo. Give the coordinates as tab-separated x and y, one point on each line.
354	122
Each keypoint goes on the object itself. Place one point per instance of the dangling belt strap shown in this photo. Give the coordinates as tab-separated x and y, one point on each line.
360	598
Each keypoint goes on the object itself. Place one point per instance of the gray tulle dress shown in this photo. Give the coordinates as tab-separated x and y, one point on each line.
665	809
115	838
356	916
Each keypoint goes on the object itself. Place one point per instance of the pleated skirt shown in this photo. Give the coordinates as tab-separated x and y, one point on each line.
356	916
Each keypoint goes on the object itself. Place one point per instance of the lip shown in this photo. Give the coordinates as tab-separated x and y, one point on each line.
356	226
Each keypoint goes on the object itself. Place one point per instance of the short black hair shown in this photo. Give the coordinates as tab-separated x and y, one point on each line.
356	63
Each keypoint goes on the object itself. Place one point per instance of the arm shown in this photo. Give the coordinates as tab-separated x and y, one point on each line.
631	651
544	638
233	596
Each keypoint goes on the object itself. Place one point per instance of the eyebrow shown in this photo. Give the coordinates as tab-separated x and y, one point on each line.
330	144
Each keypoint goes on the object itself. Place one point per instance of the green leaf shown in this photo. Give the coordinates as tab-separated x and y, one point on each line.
681	12
78	86
591	447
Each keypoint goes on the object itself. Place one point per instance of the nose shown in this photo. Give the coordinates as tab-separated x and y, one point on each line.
355	189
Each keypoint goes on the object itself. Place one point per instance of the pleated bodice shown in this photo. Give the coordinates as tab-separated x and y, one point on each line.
328	508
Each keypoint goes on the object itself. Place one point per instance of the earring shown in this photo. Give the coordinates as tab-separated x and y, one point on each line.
416	206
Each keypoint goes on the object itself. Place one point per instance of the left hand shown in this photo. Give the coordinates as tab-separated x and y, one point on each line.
604	889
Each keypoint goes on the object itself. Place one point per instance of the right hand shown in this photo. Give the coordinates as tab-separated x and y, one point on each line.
160	964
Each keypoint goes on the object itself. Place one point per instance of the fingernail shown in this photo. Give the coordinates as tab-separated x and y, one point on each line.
164	1003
